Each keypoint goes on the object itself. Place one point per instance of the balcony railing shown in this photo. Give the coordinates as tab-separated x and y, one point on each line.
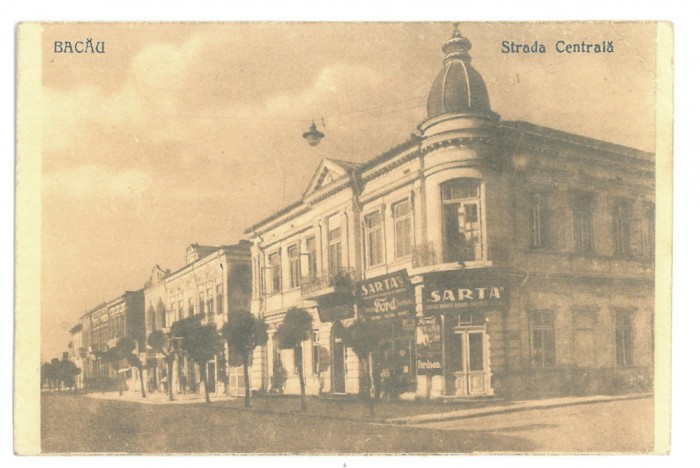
325	283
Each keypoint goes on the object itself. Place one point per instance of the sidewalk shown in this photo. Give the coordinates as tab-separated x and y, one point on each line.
156	398
350	408
513	407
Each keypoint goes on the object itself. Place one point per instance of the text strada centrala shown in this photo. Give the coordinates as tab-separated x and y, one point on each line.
561	47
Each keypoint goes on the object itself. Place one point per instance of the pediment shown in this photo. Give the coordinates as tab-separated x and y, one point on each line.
328	172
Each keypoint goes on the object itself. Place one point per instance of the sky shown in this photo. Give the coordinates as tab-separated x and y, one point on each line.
191	132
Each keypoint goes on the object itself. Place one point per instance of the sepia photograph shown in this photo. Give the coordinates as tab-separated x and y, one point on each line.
323	238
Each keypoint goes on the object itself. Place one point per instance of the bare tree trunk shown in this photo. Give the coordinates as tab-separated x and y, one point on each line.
143	390
170	379
300	371
246	382
203	378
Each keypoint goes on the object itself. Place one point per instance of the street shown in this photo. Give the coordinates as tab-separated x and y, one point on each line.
620	426
78	424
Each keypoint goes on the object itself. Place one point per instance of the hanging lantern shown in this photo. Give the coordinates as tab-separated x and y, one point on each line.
313	137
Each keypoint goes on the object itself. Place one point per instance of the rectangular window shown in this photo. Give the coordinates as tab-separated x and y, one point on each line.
311	255
201	302
210	301
180	307
335	252
461	210
219	299
539	221
190	306
582	216
316	352
623	338
621	229
294	266
276	270
403	229
375	238
542	325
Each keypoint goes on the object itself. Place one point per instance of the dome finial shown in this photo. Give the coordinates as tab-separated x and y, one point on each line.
457	47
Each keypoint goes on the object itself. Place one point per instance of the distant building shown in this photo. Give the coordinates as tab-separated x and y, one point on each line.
497	257
102	327
77	353
214	283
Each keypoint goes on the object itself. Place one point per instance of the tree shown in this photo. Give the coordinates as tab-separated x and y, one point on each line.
295	329
126	347
243	333
202	344
363	338
166	345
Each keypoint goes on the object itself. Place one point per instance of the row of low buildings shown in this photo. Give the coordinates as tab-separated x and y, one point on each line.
497	258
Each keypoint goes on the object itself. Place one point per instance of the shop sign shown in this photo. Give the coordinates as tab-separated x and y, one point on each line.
335	307
387	297
428	347
460	292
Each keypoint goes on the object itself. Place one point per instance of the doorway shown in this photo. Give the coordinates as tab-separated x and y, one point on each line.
476	373
338	360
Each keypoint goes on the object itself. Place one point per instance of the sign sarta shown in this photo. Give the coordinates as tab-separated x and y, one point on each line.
387	297
459	291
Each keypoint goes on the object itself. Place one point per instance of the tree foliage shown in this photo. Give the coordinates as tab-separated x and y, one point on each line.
244	332
295	329
202	344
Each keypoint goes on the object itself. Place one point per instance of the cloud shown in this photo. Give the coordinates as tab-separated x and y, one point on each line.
92	181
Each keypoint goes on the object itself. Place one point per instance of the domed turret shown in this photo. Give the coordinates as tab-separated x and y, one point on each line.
458	87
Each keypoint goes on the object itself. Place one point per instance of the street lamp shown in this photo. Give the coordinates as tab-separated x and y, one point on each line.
313	137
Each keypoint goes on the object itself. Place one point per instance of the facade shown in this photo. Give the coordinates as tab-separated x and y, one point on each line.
78	353
102	327
214	283
497	257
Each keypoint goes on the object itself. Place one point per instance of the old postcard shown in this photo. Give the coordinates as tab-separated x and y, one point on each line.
343	238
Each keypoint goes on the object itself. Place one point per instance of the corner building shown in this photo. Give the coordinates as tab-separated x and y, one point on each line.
498	258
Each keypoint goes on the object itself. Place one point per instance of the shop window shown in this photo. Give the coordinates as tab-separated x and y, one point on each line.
582	207
403	228
335	252
542	339
374	224
219	299
539	221
623	338
311	255
461	205
294	266
276	272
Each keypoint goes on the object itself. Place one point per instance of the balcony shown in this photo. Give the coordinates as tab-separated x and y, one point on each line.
324	283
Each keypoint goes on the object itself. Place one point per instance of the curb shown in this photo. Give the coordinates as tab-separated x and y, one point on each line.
416	420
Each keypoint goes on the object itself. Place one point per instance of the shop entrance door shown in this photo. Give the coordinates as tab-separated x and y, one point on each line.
475	362
338	364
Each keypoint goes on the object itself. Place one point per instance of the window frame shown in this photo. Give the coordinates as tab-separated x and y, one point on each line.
275	272
294	264
624	338
582	222
374	239
312	256
469	193
407	218
335	251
